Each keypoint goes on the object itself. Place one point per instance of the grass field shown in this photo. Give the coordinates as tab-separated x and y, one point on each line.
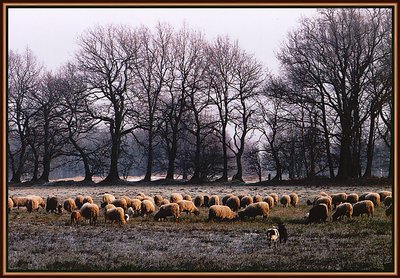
46	242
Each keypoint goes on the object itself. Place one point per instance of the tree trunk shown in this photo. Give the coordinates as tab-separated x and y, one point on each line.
113	175
196	174
239	173
370	146
225	156
327	142
171	159
88	173
149	167
46	168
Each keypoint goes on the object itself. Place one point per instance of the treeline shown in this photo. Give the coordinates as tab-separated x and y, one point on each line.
169	101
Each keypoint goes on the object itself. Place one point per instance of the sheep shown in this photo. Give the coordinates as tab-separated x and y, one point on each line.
275	196
345	209
38	199
107	207
362	196
52	204
91	212
79	201
283	235
32	204
135	207
285	200
324	200
187	197
19	201
139	197
270	201
199	201
318	213
128	200
107	199
188	206
141	194
388	201
272	235
158	199
165	202
257	199
294	199
87	199
253	210
220	212
10	204
75	217
338	198
352	198
361	207
375	198
206	198
146	208
115	214
171	209
148	198
246	201
389	210
121	203
384	194
233	203
214	200
175	198
316	197
69	205
240	196
225	198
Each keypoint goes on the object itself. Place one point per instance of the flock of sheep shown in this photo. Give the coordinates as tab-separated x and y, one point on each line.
230	207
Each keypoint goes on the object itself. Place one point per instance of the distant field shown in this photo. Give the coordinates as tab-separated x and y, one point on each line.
43	241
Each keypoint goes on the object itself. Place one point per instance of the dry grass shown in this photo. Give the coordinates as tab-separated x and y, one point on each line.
43	241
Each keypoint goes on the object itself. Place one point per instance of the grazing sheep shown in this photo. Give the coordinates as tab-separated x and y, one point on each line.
10	204
389	210
115	214
141	194
318	213
285	200
361	207
39	199
233	203
171	209
257	199
69	205
352	198
187	197
272	235
206	198
91	212
324	200
388	201
283	235
188	206
199	201
52	204
87	199
375	198
107	199
148	198
175	198
270	200
165	202
158	199
225	198
19	201
75	217
79	201
362	196
384	194
32	204
121	203
275	196
294	199
107	207
246	201
315	199
139	197
345	209
128	200
338	198
135	207
323	193
255	209
240	196
146	208
214	200
220	212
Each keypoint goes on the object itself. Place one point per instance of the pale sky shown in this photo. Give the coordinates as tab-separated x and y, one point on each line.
51	33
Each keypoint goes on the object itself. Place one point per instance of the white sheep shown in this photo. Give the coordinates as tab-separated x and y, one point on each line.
90	212
188	206
147	207
171	209
255	209
220	212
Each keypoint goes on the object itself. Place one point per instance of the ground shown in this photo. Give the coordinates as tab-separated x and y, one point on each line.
44	241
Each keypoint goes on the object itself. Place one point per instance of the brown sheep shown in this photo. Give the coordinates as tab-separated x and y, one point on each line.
214	200
225	198
139	197
52	203
79	201
75	217
352	198
285	200
384	194
257	199
187	197
19	201
107	199
158	199
171	209
270	200
233	203
362	196
220	212
128	200
141	194
338	198
388	201
206	198
345	209
135	206
275	196
362	207
39	199
91	212
374	197
175	198
121	203
107	207
255	209
115	214
246	201
87	199
294	199
69	205
146	208
165	202
10	204
188	206
32	204
318	213
324	200
199	201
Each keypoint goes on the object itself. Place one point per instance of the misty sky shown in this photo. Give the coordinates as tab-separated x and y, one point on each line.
52	33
